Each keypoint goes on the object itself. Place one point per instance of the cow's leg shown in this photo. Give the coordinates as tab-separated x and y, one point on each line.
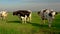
22	19
49	22
25	18
43	21
29	18
2	18
5	18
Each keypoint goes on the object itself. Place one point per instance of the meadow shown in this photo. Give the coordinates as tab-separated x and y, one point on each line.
13	25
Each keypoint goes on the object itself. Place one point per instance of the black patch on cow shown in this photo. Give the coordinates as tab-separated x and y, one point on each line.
50	14
22	13
44	10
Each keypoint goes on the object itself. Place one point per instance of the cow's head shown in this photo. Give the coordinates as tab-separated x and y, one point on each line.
52	14
14	13
38	12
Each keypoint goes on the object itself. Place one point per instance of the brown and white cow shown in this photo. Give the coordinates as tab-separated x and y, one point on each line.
25	15
3	14
47	14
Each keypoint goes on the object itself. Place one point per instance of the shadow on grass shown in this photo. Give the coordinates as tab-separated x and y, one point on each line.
45	28
13	22
38	25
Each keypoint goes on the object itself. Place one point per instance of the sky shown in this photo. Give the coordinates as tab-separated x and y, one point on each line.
34	5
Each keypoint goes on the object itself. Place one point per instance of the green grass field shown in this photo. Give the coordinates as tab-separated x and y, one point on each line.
13	26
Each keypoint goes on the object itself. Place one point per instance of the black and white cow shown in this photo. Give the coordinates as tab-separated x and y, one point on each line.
25	15
47	14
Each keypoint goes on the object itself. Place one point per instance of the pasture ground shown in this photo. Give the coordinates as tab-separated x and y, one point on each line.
13	26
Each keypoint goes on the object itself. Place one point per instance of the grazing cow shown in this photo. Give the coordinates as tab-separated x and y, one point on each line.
3	14
25	15
47	14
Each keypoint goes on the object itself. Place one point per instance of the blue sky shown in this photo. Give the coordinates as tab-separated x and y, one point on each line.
34	5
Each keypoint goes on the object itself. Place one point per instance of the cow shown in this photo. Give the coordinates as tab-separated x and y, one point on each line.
24	15
47	14
3	14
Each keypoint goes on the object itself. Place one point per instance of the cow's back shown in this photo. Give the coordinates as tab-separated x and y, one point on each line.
23	12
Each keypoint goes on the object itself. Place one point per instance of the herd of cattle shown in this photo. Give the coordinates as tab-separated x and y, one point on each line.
25	15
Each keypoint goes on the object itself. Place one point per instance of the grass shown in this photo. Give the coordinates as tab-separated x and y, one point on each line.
13	26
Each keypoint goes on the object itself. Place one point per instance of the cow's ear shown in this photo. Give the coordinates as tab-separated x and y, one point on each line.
56	13
39	13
